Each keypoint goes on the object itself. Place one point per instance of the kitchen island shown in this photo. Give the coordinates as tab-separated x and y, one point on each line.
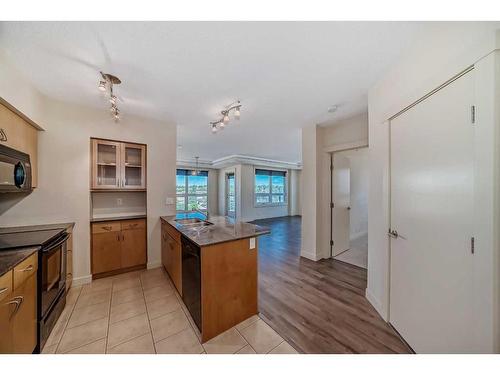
213	265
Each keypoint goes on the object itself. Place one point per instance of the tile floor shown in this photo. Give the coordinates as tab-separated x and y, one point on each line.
141	312
357	254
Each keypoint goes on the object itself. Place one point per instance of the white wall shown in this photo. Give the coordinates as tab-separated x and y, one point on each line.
443	51
63	194
295	199
236	169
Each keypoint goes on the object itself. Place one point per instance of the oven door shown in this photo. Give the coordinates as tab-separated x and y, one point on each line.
53	275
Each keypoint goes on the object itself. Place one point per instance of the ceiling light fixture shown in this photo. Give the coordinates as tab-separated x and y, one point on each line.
224	120
195	172
107	85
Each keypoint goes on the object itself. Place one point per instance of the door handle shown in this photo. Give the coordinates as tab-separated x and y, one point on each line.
394	234
348	208
3	290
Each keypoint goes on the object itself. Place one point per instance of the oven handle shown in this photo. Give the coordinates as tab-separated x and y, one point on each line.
52	246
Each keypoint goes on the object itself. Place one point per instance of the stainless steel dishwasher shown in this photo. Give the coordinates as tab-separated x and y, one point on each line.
191	279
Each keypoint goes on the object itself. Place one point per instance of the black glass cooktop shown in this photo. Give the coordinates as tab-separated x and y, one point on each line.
26	239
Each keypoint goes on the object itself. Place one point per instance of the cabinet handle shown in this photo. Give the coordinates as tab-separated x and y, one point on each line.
3	136
27	269
108	228
3	290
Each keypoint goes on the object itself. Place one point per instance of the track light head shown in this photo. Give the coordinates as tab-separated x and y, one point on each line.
237	113
102	86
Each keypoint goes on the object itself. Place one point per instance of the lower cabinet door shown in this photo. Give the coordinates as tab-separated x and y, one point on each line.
24	325
6	311
164	247
133	251
175	255
106	252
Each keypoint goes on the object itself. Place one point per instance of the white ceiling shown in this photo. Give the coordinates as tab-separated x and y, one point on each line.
286	74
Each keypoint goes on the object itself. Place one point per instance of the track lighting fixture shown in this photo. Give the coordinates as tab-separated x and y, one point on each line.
224	120
107	84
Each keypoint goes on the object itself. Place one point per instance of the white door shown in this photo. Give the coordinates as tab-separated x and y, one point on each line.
432	209
341	183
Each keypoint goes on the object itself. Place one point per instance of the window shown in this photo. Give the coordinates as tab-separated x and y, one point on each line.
270	188
192	190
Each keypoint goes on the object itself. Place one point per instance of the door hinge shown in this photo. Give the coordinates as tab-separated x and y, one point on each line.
331	242
473	114
332	205
472	245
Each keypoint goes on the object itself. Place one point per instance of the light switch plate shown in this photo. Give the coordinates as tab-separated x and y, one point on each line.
252	243
169	201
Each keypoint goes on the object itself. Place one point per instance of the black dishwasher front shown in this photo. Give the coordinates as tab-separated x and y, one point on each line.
191	279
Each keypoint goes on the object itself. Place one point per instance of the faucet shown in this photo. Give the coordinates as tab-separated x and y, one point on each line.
203	213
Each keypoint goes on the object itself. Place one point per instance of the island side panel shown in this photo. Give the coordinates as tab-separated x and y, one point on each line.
228	285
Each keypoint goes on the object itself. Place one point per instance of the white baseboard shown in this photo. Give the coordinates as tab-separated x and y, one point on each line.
155	264
357	235
82	280
376	304
309	255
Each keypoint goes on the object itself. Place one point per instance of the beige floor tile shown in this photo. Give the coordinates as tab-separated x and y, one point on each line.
126	284
184	342
158	271
128	275
58	330
96	347
158	292
85	334
128	329
227	342
72	295
127	310
244	324
154	282
98	285
93	298
162	306
283	348
246	350
88	313
126	295
262	337
140	345
49	349
168	325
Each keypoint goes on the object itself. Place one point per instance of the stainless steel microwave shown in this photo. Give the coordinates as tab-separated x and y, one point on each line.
15	171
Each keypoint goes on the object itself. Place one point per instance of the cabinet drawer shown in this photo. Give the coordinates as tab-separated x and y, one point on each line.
133	224
25	269
109	226
5	285
176	235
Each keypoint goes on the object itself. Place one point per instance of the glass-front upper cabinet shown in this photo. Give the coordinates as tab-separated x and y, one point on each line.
133	166
118	165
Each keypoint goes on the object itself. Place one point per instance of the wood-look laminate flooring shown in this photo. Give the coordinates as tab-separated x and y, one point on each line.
318	307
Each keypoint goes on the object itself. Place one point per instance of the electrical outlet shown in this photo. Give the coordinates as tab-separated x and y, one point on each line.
119	201
252	243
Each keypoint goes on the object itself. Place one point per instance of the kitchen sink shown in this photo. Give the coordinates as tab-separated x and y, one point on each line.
193	222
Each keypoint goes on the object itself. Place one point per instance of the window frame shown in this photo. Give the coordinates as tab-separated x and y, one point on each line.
270	194
186	193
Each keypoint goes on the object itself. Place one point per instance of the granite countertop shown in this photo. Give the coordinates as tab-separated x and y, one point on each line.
30	228
113	218
224	229
11	258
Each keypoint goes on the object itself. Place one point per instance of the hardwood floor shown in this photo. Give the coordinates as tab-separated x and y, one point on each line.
318	307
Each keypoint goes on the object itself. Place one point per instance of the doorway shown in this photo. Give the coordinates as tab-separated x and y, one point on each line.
230	195
349	215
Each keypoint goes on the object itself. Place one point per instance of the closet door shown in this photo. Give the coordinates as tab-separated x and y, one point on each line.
432	183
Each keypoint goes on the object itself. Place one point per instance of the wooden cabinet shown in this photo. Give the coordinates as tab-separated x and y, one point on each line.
18	308
171	254
18	133
118	246
117	165
69	260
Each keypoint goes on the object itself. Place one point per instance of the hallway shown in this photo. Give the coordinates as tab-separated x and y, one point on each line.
318	307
